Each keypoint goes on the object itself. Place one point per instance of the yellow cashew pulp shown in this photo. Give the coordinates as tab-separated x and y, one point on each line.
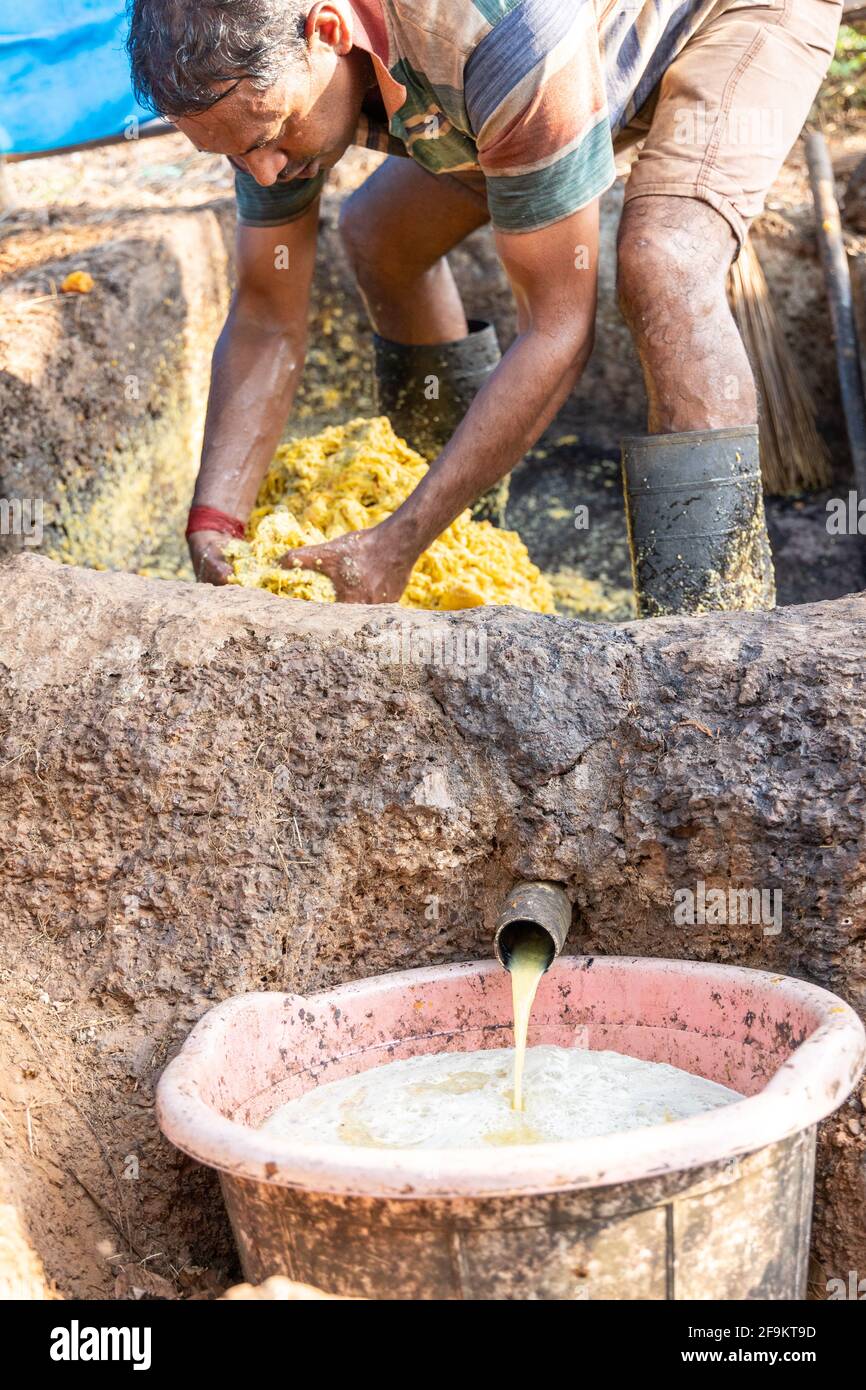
351	477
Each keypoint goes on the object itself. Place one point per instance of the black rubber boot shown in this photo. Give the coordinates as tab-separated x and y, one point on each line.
425	390
695	510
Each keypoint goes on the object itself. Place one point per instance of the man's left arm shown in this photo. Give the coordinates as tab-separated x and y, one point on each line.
553	273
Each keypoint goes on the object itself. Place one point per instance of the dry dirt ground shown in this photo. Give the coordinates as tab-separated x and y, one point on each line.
101	398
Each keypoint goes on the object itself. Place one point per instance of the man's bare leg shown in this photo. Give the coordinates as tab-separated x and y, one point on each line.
674	256
693	488
397	229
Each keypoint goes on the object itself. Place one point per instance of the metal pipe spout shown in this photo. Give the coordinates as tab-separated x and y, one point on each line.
543	906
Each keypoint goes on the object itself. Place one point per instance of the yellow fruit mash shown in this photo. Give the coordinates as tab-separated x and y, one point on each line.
351	477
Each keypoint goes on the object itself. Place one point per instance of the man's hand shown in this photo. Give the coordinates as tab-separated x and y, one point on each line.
362	565
208	562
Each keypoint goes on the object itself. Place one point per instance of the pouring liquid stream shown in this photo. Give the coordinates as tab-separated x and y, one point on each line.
528	959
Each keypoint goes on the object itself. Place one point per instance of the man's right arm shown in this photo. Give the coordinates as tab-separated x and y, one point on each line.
256	369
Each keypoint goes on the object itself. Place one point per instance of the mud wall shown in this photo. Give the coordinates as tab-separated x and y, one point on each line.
208	791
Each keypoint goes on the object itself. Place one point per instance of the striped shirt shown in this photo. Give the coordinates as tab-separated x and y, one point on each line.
528	92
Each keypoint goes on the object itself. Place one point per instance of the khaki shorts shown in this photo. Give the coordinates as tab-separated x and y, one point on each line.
730	106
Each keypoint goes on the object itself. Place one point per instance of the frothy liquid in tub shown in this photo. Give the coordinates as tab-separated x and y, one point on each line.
453	1100
496	1096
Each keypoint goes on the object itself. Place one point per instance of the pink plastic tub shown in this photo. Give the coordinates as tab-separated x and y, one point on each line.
716	1206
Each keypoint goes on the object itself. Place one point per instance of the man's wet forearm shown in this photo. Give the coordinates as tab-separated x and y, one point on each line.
506	418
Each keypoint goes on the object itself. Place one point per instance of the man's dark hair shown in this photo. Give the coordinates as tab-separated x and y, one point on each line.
179	49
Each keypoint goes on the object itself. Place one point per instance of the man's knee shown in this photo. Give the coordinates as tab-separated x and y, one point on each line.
671	252
361	235
381	268
643	268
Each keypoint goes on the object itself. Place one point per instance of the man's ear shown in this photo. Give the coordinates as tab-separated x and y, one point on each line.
331	24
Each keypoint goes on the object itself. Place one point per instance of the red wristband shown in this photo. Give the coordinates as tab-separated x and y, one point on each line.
212	519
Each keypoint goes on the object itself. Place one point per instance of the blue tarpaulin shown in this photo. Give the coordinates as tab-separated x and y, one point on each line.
64	74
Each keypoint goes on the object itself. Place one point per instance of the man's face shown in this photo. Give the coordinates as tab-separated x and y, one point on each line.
302	124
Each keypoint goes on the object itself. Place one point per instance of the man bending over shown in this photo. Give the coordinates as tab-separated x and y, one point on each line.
509	111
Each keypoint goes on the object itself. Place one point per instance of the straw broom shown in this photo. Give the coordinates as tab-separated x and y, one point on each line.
794	458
